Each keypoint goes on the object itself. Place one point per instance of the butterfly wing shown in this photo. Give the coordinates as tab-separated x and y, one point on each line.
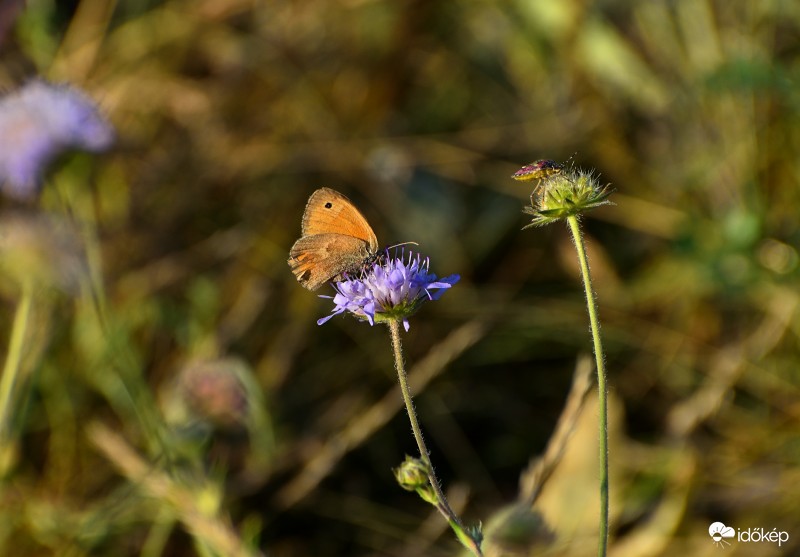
330	212
316	259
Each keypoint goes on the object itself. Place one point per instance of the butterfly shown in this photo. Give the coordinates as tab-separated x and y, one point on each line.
335	239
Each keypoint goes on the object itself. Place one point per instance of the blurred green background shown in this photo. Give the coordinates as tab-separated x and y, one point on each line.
179	398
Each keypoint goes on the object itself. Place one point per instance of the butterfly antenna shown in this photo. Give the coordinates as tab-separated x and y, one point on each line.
402	244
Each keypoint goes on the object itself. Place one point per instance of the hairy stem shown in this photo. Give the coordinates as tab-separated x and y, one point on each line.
463	535
601	382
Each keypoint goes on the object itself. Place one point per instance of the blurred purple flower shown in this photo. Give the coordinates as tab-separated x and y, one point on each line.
393	289
37	123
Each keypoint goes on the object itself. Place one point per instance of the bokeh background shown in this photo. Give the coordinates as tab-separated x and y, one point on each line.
175	395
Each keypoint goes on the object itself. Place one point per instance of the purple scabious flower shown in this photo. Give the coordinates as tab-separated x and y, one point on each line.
37	123
394	288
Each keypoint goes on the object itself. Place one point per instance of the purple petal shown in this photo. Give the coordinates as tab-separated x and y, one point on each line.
327	318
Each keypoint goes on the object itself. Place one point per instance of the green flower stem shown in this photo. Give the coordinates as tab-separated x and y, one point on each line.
463	535
601	381
12	366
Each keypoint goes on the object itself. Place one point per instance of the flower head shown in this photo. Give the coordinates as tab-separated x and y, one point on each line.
394	288
39	122
561	192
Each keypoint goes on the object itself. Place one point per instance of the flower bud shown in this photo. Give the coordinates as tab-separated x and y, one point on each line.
412	474
560	192
213	391
517	530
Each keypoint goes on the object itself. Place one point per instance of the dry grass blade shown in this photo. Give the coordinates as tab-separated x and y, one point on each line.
540	468
204	525
730	363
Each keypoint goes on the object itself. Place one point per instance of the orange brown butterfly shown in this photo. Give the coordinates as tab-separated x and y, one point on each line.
335	239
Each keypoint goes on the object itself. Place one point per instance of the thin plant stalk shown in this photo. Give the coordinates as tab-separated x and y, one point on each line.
13	363
138	399
601	381
444	508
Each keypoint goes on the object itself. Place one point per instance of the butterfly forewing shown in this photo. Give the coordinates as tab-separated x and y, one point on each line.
330	212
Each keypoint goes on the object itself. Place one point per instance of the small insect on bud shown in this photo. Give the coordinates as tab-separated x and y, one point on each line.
538	170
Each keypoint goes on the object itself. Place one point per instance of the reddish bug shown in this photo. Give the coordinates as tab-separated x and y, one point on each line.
539	171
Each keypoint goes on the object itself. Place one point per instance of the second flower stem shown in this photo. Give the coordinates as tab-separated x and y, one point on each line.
11	369
442	505
601	381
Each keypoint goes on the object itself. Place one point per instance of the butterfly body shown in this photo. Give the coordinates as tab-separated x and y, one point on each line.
335	240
